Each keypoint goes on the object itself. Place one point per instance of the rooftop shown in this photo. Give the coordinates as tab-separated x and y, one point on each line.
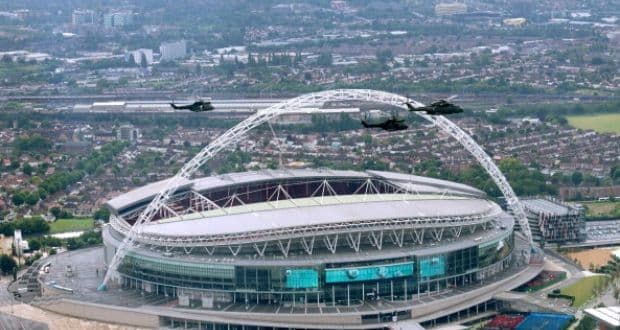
609	315
540	205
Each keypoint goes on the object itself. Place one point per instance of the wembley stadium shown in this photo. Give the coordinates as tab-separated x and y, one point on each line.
357	248
300	249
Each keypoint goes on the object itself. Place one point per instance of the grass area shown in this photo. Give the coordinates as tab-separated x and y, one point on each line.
602	123
583	290
65	225
602	209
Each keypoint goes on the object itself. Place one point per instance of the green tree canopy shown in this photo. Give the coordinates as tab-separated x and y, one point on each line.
577	178
325	60
32	198
102	214
18	198
7	264
34	244
33	143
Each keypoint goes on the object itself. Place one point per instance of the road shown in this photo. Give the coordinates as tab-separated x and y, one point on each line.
15	315
11	311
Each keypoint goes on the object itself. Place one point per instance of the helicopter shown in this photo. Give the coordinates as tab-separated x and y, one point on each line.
198	106
391	124
441	107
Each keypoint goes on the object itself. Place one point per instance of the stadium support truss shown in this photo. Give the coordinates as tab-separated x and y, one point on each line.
314	101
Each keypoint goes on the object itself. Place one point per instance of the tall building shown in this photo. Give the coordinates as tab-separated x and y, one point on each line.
83	17
338	4
138	54
445	9
553	221
128	133
173	50
19	243
517	21
117	19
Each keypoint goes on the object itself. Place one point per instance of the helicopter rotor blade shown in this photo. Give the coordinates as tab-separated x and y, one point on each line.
452	97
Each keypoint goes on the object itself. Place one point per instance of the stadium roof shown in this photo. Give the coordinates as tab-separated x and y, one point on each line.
143	194
421	183
269	175
358	208
411	182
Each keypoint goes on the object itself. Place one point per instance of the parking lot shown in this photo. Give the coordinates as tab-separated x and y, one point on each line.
603	230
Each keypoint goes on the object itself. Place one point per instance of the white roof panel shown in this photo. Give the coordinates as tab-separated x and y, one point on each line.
323	214
144	193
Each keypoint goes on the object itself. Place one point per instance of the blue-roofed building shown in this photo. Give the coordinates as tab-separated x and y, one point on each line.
545	321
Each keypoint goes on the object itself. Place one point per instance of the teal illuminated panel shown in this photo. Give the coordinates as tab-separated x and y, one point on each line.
432	266
358	274
302	278
179	267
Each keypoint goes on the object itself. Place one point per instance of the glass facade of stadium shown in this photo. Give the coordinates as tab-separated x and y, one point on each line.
339	284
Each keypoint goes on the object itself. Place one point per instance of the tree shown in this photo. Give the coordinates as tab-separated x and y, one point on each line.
614	173
18	198
143	62
367	140
586	323
102	84
55	211
123	81
102	214
7	264
88	238
325	60
34	245
576	178
34	143
27	169
251	60
132	59
42	193
28	226
384	56
32	198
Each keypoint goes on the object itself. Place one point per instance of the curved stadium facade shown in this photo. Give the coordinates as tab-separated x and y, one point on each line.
314	248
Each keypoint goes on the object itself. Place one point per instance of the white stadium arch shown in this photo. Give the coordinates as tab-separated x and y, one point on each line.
314	101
